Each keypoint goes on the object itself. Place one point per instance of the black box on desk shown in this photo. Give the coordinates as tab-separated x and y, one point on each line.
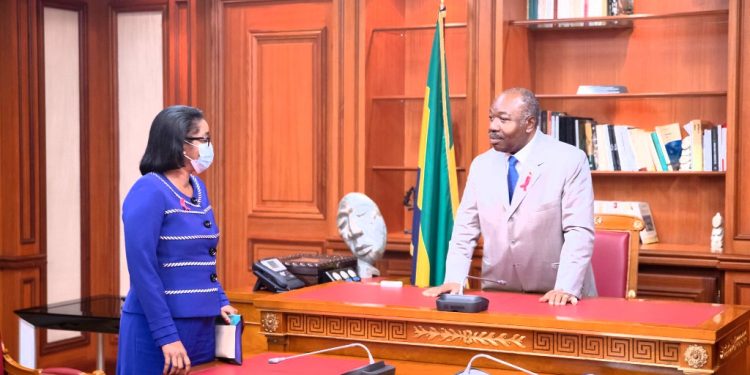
315	268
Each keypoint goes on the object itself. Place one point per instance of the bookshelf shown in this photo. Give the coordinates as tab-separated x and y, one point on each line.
398	38
680	61
672	58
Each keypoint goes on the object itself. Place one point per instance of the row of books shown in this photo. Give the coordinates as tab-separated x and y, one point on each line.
638	209
626	148
560	9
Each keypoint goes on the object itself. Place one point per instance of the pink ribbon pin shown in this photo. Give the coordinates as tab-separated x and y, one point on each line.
526	182
184	204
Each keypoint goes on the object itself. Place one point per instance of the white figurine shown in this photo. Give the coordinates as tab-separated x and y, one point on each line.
362	227
717	234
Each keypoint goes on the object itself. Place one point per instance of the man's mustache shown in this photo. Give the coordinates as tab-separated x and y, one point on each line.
494	135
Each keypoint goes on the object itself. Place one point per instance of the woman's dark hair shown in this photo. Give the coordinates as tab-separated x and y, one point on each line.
166	138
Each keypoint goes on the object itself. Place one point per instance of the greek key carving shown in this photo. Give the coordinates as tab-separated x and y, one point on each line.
644	350
592	346
669	352
544	342
397	330
696	356
335	326
270	322
737	341
567	344
355	327
376	329
617	348
314	324
468	336
295	323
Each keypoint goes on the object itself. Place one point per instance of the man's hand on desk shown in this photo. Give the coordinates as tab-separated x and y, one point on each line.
559	298
435	291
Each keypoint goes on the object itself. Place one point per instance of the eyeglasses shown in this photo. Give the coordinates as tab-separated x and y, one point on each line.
201	139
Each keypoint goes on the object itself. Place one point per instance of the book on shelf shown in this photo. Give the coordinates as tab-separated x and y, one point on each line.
667	134
610	147
562	9
640	210
601	89
708	145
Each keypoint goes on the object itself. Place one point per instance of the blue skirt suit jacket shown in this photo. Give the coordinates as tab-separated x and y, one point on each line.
171	244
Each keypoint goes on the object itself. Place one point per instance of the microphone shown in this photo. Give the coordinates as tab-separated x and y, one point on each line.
374	368
472	371
498	282
465	303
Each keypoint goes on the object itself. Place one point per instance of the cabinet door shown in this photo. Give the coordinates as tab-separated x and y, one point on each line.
665	285
737	288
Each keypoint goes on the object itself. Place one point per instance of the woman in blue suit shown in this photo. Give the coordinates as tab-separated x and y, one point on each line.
171	239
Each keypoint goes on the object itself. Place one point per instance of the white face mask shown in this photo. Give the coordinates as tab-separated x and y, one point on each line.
205	157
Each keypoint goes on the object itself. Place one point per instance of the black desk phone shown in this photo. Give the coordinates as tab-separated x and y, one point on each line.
274	276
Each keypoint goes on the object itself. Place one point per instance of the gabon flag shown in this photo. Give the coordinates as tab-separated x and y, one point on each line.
436	189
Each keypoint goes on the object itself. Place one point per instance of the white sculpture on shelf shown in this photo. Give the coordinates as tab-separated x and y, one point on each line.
362	228
717	234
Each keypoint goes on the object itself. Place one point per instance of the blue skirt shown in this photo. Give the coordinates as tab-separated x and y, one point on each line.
138	355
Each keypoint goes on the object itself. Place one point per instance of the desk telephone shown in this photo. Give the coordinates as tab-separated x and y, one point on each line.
273	276
296	271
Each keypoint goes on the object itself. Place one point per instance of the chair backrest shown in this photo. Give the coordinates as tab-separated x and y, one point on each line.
615	259
9	366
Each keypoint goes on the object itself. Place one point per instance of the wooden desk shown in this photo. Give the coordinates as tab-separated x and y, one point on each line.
600	335
321	365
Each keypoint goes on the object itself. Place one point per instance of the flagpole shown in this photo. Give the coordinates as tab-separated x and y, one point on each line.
445	97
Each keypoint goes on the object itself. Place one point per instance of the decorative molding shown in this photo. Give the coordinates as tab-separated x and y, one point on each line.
696	356
346	328
21	262
266	203
28	86
608	348
468	336
733	344
270	322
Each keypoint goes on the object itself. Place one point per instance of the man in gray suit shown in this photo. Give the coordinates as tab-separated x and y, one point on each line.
531	198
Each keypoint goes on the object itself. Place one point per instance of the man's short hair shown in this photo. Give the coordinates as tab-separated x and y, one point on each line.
529	100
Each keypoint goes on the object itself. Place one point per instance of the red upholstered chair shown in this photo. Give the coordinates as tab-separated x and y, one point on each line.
615	260
10	367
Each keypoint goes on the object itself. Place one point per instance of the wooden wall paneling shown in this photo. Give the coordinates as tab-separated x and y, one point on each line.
738	202
181	38
480	71
103	211
350	151
277	103
348	157
287	159
28	115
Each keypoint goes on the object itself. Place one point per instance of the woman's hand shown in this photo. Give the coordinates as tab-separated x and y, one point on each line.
176	361
226	311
